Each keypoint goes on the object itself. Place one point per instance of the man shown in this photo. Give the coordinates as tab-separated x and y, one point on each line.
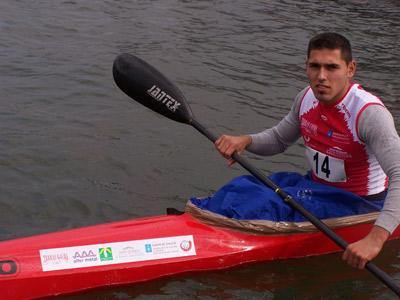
350	138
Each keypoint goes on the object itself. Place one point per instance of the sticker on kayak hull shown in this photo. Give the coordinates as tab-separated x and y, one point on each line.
116	253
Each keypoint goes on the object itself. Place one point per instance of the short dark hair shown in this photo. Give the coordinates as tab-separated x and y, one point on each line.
331	40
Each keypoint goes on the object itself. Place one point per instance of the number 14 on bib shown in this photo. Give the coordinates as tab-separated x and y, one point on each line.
326	167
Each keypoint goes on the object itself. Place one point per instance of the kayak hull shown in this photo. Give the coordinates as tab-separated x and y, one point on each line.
143	249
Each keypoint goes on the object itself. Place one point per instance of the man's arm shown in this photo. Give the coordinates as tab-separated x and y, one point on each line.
268	142
278	138
377	130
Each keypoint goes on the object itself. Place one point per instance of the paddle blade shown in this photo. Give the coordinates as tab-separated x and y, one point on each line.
148	86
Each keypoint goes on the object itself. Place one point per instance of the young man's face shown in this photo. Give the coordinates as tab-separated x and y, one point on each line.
329	74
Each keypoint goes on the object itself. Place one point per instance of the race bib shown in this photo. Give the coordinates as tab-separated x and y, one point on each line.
326	167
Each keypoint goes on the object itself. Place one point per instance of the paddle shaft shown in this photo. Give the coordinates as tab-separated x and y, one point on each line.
381	275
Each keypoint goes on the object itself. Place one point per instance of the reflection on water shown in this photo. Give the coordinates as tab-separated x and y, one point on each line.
75	151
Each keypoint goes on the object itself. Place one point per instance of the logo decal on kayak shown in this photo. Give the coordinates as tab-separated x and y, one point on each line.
105	254
84	256
129	252
186	245
98	255
8	267
164	98
55	258
148	248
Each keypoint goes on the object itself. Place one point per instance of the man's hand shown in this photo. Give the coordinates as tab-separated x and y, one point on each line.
227	145
359	253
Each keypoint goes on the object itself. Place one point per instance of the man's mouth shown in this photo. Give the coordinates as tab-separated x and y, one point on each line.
322	87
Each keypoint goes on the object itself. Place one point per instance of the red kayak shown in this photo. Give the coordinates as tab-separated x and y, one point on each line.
143	249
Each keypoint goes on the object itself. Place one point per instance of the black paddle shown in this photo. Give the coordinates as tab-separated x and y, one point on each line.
146	85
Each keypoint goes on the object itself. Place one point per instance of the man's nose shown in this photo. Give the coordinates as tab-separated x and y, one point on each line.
322	74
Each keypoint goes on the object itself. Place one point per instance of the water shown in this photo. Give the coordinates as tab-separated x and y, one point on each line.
76	151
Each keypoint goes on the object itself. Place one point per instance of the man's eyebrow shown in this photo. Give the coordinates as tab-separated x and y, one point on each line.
332	65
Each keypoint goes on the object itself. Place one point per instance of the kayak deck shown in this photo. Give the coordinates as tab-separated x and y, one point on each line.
143	249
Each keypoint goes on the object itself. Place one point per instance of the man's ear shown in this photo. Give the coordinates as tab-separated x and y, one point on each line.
351	68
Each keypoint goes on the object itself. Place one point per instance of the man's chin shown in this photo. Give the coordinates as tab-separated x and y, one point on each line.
323	97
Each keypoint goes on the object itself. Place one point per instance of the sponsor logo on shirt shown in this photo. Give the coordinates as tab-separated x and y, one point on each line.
341	138
309	127
338	153
343	108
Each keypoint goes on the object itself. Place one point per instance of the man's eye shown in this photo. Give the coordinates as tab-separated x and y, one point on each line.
332	67
314	66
